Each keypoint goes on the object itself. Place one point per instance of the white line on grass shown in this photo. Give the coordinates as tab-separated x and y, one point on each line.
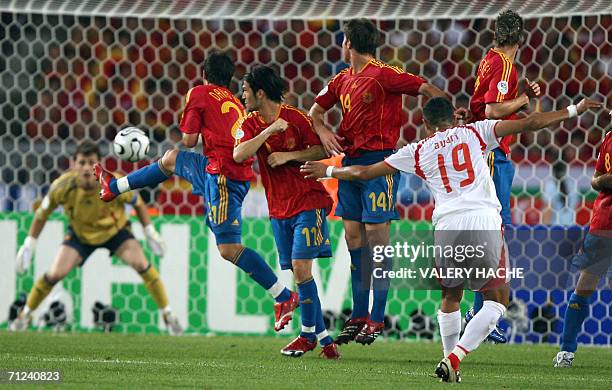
217	365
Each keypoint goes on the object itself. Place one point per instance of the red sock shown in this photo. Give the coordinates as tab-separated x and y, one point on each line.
454	361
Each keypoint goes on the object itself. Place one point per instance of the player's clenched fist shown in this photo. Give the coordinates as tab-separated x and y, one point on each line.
314	170
279	125
24	255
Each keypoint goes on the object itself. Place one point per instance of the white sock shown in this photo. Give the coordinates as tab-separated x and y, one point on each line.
322	335
123	185
308	329
450	328
481	325
276	289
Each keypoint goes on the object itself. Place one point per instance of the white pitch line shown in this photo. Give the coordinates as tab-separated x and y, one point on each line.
116	361
217	365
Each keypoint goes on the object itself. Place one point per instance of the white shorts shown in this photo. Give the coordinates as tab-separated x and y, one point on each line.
488	260
469	221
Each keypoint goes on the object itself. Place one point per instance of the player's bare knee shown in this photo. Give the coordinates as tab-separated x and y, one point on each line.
140	266
353	239
377	234
53	277
168	161
354	233
302	270
229	252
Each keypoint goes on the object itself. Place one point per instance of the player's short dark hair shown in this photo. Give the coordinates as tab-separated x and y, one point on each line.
265	78
509	29
219	69
438	110
87	148
363	35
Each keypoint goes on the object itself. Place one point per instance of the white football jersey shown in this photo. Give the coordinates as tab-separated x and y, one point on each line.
452	164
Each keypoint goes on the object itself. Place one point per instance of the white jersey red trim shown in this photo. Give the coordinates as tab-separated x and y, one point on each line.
453	166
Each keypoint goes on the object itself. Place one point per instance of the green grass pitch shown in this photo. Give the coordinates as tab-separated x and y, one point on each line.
137	361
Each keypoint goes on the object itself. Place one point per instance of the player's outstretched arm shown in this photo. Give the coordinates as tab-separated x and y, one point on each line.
316	152
317	170
329	139
154	240
540	120
247	149
431	90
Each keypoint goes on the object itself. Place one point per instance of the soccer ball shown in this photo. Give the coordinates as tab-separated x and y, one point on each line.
131	144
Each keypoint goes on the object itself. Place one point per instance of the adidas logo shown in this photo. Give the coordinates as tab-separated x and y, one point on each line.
235	223
575	306
327	242
306	301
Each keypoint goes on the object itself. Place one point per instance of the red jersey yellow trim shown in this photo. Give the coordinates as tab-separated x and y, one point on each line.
302	113
506	69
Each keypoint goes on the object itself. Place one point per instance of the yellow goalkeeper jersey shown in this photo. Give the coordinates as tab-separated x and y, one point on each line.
93	221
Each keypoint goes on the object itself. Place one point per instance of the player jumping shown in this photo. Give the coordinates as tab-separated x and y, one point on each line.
370	94
282	136
93	224
215	113
450	161
594	259
496	97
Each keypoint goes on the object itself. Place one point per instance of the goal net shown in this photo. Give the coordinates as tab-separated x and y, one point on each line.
74	70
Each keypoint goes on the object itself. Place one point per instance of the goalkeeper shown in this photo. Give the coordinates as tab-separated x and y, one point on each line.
93	224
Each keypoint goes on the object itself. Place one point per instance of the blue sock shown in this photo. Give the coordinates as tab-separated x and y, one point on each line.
149	176
361	295
253	264
320	329
381	290
577	311
308	307
477	301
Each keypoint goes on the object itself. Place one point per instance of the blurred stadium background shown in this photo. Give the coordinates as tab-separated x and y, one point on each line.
72	70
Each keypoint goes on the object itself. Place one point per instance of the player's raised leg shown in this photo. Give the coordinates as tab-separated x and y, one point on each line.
224	198
66	259
131	253
148	176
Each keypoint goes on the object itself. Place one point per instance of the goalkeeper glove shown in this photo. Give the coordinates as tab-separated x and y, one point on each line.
154	240
24	255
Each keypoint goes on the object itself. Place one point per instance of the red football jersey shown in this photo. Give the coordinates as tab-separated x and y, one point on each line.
216	113
496	82
371	103
287	192
602	209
